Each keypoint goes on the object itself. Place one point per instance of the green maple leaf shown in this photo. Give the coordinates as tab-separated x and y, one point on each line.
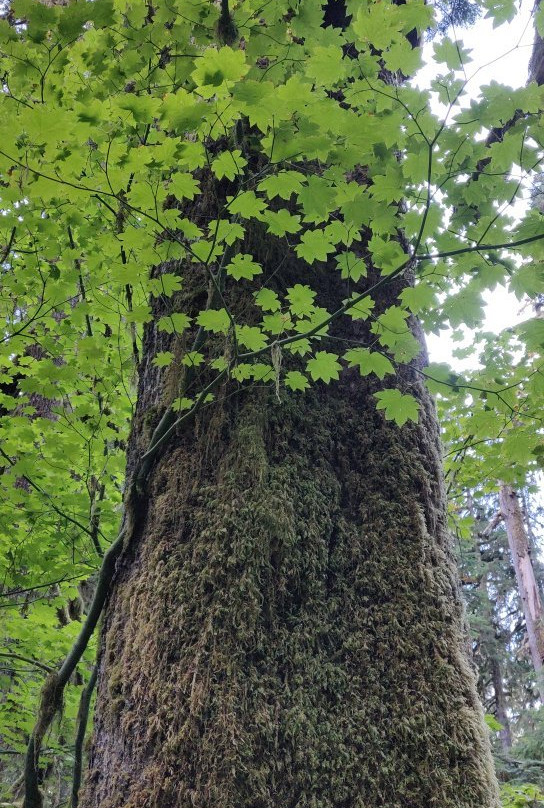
318	199
267	300
401	56
165	284
181	404
182	111
225	230
314	246
243	266
295	380
397	407
229	164
175	322
388	187
192	358
281	222
142	107
251	337
163	359
326	65
492	723
369	362
362	309
465	307
242	372
139	314
452	53
376	26
388	255
351	266
276	323
301	300
184	186
254	97
247	204
219	69
324	366
215	320
417	298
284	184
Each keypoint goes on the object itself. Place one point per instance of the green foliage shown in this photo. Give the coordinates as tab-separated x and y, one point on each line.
525	796
397	407
141	161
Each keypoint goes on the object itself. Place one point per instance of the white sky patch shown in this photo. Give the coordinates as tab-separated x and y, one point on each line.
502	310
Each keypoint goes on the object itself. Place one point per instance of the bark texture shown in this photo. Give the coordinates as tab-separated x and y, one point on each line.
287	628
525	576
501	705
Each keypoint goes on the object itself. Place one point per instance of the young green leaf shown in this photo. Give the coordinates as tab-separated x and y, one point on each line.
369	362
324	366
397	407
243	266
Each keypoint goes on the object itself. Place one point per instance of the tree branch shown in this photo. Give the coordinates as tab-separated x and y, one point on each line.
82	719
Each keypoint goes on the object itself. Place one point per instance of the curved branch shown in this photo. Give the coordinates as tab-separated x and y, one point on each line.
29	660
82	719
51	698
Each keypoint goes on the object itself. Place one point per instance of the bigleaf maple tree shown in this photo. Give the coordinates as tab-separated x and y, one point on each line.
121	121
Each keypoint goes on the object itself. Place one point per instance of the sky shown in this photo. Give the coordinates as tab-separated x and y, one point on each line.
501	54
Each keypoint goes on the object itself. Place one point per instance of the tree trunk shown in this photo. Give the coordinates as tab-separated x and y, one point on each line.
490	632
500	705
286	628
525	576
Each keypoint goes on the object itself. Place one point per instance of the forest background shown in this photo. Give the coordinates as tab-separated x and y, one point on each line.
470	178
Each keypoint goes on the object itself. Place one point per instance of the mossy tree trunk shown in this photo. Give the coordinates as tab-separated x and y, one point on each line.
286	628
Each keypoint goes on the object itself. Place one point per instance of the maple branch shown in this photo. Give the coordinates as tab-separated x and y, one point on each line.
7	248
51	698
82	719
479	248
29	660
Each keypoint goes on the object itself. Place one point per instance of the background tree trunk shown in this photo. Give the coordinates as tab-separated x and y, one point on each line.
286	629
501	708
525	576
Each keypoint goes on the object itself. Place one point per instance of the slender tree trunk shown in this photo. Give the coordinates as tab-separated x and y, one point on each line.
489	633
525	577
500	705
286	629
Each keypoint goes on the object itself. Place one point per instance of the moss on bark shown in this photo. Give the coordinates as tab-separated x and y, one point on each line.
288	630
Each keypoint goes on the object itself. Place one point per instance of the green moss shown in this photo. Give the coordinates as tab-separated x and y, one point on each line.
289	631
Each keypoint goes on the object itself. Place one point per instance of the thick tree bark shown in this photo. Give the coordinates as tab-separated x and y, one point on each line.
525	576
286	629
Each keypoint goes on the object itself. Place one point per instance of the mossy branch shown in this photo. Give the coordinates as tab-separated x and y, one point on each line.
82	720
51	697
